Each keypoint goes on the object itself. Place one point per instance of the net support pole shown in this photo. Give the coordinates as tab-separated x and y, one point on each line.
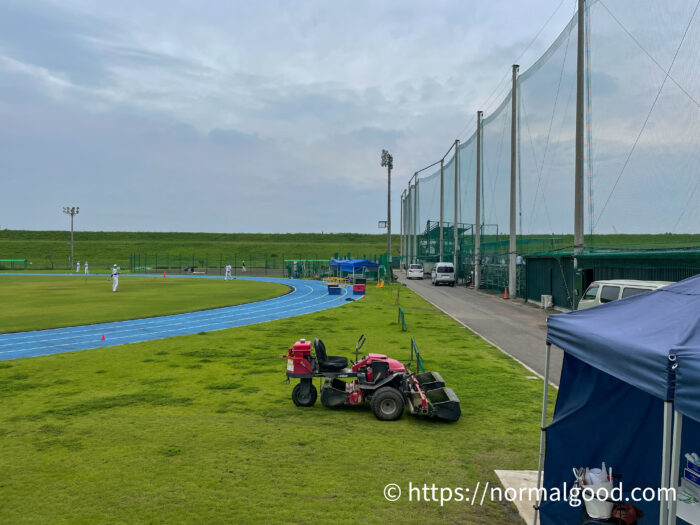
543	430
477	221
666	459
455	233
580	123
512	246
675	464
415	218
403	229
442	203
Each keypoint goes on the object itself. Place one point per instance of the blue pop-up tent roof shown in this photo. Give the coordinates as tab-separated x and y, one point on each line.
622	360
352	265
632	339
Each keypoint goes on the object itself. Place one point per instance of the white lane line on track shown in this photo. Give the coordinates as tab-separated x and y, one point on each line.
138	325
292	297
317	303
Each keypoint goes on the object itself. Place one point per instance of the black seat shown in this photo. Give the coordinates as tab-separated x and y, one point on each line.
328	363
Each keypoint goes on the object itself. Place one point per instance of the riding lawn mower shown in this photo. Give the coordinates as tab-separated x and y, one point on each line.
385	383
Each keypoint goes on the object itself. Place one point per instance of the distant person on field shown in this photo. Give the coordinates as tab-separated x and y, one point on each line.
228	272
77	266
243	266
86	268
115	278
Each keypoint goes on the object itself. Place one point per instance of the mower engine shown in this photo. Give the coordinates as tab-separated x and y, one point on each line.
385	383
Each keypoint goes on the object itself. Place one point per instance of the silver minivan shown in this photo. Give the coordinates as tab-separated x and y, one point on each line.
600	292
443	273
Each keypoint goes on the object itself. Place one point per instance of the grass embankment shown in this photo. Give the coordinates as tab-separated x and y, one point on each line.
201	429
115	247
35	303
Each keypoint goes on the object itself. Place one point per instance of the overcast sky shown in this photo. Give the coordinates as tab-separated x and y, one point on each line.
264	116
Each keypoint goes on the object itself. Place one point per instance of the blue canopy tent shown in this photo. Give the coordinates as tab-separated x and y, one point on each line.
631	372
352	265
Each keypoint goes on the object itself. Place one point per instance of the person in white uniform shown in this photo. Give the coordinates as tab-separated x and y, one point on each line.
115	278
77	267
243	266
228	272
86	268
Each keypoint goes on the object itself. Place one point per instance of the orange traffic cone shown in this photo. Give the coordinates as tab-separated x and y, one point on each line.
102	338
505	293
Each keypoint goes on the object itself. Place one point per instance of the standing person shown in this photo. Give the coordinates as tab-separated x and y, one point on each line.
228	272
77	266
243	266
86	268
115	278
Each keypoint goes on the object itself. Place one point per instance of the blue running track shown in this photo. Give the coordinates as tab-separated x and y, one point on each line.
305	297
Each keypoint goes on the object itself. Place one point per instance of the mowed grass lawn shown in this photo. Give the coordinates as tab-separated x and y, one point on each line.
35	302
201	428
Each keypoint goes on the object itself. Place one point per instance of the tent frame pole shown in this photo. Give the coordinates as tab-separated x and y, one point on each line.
665	459
675	463
543	430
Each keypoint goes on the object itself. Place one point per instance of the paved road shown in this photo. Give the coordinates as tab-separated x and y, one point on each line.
517	328
304	297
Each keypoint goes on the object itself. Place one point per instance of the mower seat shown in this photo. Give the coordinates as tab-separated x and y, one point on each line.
328	363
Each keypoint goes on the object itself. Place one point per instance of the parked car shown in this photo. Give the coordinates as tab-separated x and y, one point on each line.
443	273
600	292
415	271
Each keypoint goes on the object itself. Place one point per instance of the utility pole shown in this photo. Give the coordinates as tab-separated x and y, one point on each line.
477	222
512	248
72	211
388	161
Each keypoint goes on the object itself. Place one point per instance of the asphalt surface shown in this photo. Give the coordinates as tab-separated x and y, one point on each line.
305	297
517	328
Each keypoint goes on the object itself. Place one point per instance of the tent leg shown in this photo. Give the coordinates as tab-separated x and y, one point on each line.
543	431
675	464
665	460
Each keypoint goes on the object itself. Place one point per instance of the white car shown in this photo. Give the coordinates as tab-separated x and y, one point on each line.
600	292
415	271
443	273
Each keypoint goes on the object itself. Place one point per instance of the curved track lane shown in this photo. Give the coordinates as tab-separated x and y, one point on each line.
305	297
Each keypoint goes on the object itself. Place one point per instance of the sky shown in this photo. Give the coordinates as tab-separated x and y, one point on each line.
243	116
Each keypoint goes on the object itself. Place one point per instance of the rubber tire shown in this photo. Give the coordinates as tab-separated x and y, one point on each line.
452	284
301	401
388	404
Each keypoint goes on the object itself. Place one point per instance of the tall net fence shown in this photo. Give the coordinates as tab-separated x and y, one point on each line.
641	144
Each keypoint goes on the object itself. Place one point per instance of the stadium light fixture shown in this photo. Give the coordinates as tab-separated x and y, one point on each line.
72	211
388	162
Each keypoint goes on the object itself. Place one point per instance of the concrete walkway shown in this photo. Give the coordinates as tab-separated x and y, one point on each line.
517	328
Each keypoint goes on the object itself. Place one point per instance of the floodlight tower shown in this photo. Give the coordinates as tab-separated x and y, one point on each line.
388	162
72	211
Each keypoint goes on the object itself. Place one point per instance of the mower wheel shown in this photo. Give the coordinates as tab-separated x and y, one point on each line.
388	404
304	400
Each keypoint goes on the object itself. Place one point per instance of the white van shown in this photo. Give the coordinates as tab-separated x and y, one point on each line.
600	292
443	273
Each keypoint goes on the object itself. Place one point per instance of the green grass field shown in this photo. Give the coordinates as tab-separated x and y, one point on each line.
107	248
201	429
103	249
33	303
